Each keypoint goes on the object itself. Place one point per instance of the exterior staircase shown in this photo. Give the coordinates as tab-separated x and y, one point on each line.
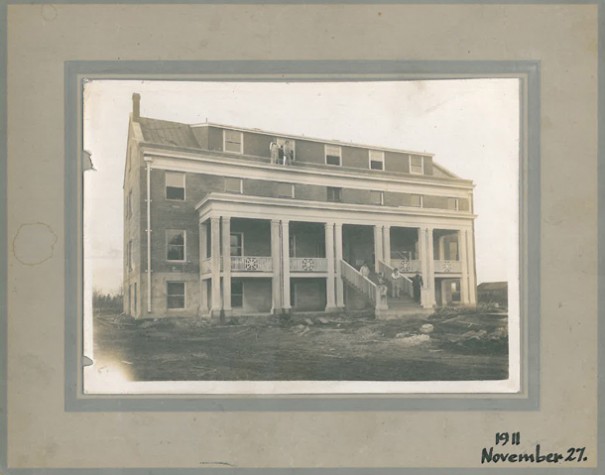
385	306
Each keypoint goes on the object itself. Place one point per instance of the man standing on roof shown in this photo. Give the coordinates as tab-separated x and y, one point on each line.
288	153
274	149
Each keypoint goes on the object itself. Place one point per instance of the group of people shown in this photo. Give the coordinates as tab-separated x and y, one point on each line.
282	154
396	282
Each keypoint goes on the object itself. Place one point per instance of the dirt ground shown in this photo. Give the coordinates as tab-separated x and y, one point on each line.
448	346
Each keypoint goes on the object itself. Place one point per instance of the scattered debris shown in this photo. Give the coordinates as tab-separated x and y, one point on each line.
414	340
427	328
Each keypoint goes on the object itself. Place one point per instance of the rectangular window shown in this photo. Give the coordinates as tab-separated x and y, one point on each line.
416	200
416	164
452	203
334	194
237	293
376	160
175	245
175	186
130	256
129	212
285	190
377	197
134	303
233	141
175	295
234	185
237	244
333	154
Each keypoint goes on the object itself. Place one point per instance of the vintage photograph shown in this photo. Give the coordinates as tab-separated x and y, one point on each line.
302	237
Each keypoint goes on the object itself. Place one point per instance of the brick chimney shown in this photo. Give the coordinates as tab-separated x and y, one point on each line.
136	106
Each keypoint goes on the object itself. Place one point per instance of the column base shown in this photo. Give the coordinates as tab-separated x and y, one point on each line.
216	313
333	309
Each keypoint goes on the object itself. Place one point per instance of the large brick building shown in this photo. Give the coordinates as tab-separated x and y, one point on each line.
222	221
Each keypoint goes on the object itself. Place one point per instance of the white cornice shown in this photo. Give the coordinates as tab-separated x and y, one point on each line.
242	168
245	206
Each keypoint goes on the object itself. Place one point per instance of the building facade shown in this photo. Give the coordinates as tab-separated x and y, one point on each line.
222	221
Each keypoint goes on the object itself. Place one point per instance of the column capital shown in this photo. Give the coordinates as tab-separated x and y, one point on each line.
215	219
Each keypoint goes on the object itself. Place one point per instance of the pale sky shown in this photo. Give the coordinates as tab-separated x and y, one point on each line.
470	125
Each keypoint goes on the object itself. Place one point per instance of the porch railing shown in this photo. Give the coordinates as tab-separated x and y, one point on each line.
405	265
251	264
405	282
374	293
308	264
448	266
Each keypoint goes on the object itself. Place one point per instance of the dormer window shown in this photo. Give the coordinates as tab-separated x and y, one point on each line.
333	154
233	141
416	164
376	160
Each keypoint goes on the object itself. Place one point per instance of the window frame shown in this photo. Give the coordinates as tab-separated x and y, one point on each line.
241	185
241	142
420	201
184	244
130	256
129	204
184	187
326	146
241	237
410	159
335	189
456	202
381	160
168	294
284	195
380	194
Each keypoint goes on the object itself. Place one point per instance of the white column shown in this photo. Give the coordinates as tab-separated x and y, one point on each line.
421	246
472	278
203	255
285	246
441	245
226	239
329	237
276	266
430	277
377	246
386	246
464	299
340	300
215	243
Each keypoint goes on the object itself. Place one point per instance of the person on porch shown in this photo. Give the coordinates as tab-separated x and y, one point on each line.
397	283
416	285
365	270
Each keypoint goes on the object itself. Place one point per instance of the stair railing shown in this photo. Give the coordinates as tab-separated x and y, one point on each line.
374	293
404	281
